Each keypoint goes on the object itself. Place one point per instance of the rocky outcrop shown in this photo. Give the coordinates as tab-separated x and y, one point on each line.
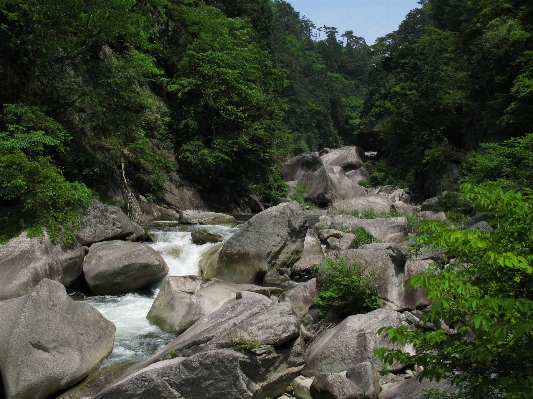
102	222
348	158
335	385
49	342
271	240
26	261
352	341
374	203
183	300
358	175
198	217
390	230
301	297
323	183
152	212
115	267
183	195
207	365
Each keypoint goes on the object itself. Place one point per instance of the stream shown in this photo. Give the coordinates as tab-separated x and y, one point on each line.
135	338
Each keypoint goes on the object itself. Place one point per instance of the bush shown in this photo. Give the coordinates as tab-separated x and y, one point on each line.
345	289
361	237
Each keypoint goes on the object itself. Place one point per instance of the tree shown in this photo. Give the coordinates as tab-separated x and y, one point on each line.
484	293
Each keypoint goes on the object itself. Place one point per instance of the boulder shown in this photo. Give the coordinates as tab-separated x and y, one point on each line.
325	234
430	204
340	244
302	387
183	300
402	207
152	212
366	377
352	341
374	203
208	261
271	240
482	225
204	236
301	297
49	342
335	386
24	262
216	374
70	262
432	215
358	175
391	230
323	183
116	267
324	222
198	217
348	158
100	222
312	255
392	270
414	389
183	195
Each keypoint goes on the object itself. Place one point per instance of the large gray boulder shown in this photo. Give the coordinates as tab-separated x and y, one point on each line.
352	341
183	300
414	389
100	222
200	217
206	364
115	267
366	377
392	270
312	255
375	203
26	261
335	386
323	183
388	230
348	158
358	175
271	240
49	342
301	297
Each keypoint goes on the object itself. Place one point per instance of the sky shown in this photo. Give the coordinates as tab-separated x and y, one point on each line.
369	19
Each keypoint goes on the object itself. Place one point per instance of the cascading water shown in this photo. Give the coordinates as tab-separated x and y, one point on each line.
135	338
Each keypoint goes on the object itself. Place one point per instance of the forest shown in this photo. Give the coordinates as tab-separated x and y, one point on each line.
96	94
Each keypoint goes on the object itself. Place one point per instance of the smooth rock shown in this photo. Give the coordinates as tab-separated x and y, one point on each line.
101	222
375	203
414	389
366	377
352	341
348	158
302	387
115	267
204	236
335	386
271	240
388	230
199	217
301	297
432	215
183	300
49	342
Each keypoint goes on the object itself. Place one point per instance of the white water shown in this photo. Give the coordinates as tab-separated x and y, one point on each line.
135	338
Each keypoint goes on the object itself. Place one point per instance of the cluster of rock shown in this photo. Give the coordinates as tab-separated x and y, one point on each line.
246	328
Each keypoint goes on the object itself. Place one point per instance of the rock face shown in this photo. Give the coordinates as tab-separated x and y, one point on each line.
334	385
207	365
198	217
271	240
49	342
26	261
183	300
103	222
323	182
390	230
366	377
115	267
351	342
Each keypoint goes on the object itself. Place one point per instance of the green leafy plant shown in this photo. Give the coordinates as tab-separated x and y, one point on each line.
361	237
345	288
486	297
298	195
244	344
171	354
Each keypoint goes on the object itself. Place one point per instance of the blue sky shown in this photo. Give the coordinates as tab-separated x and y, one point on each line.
367	18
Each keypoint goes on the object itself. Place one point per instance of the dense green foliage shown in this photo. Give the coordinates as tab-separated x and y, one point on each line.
346	289
484	292
361	237
455	74
217	92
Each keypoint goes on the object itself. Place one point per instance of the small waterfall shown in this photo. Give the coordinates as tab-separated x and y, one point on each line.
135	338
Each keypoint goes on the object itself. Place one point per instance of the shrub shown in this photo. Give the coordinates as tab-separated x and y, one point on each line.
361	237
345	288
